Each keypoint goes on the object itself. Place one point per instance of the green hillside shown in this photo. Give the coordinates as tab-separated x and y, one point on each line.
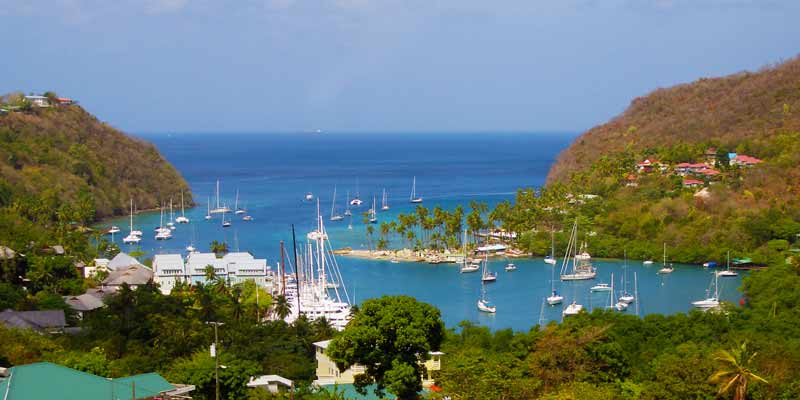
61	167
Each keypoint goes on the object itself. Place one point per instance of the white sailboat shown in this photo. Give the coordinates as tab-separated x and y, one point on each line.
626	297
170	224
347	211
356	202
238	210
487	275
484	304
318	292
666	269
384	201
134	236
554	297
572	309
309	196
728	272
161	232
334	216
208	208
373	215
114	229
225	223
711	301
414	197
182	219
576	266
551	258
221	208
466	265
603	287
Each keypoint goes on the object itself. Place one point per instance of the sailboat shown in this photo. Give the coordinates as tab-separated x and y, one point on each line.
603	287
626	297
666	269
208	208
728	272
487	276
334	216
114	229
373	215
171	224
414	197
551	258
221	208
356	202
309	196
572	309
484	304
161	232
384	201
347	211
134	236
466	265
581	268
225	224
236	205
182	219
709	301
554	298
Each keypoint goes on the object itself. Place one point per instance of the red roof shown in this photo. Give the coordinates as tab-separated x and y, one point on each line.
631	177
647	162
683	165
687	182
747	159
710	172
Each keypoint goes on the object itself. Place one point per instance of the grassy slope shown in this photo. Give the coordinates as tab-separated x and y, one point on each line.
65	150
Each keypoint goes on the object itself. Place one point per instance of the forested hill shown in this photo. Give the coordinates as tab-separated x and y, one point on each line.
63	159
724	110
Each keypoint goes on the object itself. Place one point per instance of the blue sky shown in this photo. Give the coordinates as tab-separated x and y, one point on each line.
372	66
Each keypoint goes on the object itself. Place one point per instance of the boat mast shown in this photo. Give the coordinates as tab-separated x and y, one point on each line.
333	202
413	187
217	193
296	269
183	210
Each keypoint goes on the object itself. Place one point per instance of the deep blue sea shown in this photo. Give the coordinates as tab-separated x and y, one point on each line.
273	172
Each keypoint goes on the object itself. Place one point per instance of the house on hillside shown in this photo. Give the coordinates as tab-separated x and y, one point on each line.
38	101
47	321
134	276
711	156
692	183
93	299
649	165
63	101
744	160
234	268
630	181
44	380
329	374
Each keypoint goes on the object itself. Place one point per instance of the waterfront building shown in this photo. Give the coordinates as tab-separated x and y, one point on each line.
234	268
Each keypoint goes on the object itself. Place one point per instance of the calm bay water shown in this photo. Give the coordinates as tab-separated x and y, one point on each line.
273	172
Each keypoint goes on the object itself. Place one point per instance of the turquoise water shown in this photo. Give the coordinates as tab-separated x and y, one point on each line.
273	172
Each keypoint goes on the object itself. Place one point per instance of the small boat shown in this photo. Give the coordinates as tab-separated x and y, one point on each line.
170	224
728	273
488	276
414	197
225	223
220	209
601	287
247	218
573	309
208	211
182	219
394	261
711	301
191	249
131	239
356	202
114	229
373	215
309	196
161	232
621	306
384	201
551	258
625	296
581	268
238	211
710	264
647	262
554	298
334	216
665	269
484	304
510	267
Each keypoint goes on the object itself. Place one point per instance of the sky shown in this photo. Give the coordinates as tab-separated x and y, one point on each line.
379	66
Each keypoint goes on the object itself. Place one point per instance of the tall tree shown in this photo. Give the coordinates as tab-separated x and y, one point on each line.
391	337
735	372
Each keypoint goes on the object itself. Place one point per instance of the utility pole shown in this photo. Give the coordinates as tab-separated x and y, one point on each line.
215	354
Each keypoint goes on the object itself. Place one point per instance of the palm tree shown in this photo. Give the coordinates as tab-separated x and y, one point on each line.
736	371
219	248
281	307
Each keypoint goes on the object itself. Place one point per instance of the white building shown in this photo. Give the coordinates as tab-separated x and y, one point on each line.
38	101
233	268
329	374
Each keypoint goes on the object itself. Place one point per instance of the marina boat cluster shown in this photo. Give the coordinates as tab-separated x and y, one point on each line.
356	202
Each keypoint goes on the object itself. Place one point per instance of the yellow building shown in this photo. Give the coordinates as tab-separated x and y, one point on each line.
329	374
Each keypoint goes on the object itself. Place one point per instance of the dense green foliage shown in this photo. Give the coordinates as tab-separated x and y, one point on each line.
61	169
391	337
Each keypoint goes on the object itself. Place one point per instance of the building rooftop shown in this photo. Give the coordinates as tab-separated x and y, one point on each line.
40	321
121	260
323	344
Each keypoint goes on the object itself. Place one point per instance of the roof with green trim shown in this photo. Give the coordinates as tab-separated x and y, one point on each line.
46	380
